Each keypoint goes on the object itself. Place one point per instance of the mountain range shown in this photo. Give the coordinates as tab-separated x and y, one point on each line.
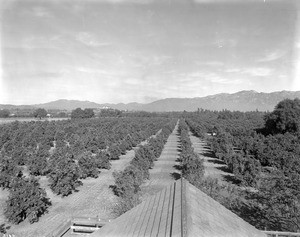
242	101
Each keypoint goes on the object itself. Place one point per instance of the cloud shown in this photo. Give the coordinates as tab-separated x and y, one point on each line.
47	74
271	56
209	77
232	70
41	12
36	42
90	40
92	70
210	63
252	71
259	71
225	42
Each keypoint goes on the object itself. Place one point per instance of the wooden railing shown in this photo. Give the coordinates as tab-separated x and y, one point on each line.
280	233
79	225
87	224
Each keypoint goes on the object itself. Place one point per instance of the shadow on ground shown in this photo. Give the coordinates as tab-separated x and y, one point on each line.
208	154
231	179
216	161
175	175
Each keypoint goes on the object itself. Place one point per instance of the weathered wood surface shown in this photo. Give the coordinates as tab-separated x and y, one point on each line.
179	210
209	218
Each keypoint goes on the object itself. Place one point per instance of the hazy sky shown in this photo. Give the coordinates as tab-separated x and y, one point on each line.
143	50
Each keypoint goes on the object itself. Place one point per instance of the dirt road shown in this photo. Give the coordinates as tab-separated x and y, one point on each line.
164	172
214	168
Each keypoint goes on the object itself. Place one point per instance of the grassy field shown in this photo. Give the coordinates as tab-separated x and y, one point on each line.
9	120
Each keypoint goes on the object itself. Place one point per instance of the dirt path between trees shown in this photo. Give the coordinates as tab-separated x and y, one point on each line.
94	198
214	168
164	172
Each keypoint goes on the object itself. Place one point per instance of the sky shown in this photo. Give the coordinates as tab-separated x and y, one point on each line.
121	51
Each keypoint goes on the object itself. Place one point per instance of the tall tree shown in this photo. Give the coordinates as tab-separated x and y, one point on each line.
40	113
284	118
4	113
81	114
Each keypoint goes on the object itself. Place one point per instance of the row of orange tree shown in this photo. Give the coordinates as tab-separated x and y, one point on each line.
263	151
65	152
191	165
128	182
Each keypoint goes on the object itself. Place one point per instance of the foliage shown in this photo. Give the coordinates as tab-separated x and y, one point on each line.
102	160
128	181
114	152
280	203
4	113
64	173
82	114
262	151
26	200
191	164
88	165
8	171
110	113
124	204
69	149
40	113
37	163
284	118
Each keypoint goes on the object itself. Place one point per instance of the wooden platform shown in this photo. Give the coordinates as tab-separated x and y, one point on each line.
179	210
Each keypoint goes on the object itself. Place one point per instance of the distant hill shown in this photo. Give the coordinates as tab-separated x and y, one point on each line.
67	105
242	101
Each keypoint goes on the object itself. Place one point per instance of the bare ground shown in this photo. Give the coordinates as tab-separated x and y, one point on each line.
164	171
214	167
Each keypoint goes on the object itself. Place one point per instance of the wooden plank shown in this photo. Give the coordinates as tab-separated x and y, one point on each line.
141	218
184	227
147	216
165	210
157	220
176	212
61	229
166	215
135	216
170	214
152	217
